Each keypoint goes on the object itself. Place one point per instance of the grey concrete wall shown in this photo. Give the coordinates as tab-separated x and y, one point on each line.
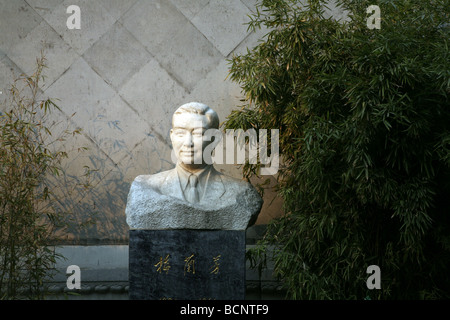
104	275
119	79
132	63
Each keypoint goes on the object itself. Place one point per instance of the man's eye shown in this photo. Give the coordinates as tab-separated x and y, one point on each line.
197	133
180	132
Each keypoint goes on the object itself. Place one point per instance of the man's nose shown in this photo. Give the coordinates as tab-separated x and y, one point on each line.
188	141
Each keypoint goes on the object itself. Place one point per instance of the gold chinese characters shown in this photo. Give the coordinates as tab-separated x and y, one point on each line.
163	264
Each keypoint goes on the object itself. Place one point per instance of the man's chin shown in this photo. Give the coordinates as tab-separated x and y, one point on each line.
187	160
190	161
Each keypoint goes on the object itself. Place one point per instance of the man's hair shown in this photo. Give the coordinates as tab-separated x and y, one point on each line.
201	109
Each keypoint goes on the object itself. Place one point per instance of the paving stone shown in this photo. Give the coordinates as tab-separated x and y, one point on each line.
17	19
109	196
155	95
151	156
59	55
116	8
188	56
190	7
8	72
99	110
332	10
153	22
74	167
227	94
251	4
116	128
252	40
43	7
117	56
223	23
87	90
95	21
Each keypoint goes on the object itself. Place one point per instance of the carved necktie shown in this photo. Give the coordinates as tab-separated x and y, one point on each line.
191	193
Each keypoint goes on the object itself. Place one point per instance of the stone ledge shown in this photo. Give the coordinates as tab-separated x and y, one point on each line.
99	291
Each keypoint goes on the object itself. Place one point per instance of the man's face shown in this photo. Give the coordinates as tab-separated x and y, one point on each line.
187	137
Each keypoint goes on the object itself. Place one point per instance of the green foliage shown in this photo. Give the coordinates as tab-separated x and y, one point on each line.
29	199
364	123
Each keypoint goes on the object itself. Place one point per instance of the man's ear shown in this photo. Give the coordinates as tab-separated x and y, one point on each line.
173	156
214	135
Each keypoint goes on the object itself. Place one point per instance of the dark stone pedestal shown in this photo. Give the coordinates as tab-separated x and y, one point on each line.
187	264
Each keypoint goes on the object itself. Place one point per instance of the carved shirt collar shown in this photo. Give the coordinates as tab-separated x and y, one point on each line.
202	176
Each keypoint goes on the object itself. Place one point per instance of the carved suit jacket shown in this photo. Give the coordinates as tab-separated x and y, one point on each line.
216	187
157	202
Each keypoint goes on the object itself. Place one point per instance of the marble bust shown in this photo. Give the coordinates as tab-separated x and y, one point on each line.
193	195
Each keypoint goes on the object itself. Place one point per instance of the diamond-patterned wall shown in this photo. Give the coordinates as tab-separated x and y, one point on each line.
132	63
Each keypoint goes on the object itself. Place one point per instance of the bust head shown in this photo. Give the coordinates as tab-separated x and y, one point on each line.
174	199
189	122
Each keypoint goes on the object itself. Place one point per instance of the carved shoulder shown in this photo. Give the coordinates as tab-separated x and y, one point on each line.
151	180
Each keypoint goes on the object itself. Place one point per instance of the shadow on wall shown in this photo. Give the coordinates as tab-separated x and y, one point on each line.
99	215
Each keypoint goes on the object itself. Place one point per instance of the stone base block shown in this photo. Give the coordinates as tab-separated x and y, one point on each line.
187	264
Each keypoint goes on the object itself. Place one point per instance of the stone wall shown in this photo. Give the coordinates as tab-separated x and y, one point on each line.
104	275
119	78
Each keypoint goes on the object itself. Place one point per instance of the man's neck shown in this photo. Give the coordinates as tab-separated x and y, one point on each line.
193	168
